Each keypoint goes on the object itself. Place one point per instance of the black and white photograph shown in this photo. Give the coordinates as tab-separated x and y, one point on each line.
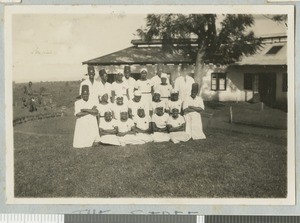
154	104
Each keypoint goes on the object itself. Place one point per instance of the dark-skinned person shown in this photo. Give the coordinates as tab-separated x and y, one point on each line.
86	127
159	125
119	106
126	131
130	81
136	103
176	126
157	102
192	108
108	129
164	88
94	85
104	105
156	80
107	88
120	87
145	86
143	126
174	101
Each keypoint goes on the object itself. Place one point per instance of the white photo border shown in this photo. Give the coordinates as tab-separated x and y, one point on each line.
145	9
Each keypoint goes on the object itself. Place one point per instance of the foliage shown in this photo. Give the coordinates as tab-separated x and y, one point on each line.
222	46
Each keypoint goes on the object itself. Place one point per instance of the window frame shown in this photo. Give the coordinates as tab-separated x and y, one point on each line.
284	86
218	77
250	76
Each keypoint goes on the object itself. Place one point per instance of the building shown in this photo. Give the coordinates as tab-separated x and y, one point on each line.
259	77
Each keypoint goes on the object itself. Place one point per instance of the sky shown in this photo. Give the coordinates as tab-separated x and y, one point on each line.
49	47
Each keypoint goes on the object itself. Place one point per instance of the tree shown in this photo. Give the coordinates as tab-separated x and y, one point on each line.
219	46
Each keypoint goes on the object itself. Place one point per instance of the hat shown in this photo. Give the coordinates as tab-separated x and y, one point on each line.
137	93
195	88
174	91
102	112
119	96
144	70
164	75
184	66
120	73
91	69
84	89
127	69
102	72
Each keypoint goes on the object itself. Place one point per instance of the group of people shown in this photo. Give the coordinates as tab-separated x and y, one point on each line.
130	111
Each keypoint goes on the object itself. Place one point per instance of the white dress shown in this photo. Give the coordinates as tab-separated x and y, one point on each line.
145	87
161	122
86	127
193	119
120	89
174	104
134	106
180	136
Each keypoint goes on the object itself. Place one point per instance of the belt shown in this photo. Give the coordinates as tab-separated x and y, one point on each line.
146	92
164	97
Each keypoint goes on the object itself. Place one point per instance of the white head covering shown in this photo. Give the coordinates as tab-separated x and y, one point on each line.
164	75
144	69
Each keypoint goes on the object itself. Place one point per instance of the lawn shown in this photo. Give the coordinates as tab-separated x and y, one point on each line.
226	164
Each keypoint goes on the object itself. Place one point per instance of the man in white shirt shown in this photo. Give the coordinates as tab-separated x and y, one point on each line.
108	129
183	83
145	86
126	131
136	103
95	87
143	126
159	126
107	88
130	81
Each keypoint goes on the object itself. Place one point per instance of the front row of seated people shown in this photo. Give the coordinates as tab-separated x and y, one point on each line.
135	123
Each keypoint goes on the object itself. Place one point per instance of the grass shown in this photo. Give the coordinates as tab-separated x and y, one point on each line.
226	164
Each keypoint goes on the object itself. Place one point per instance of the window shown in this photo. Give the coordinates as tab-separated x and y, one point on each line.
218	81
274	50
284	82
248	82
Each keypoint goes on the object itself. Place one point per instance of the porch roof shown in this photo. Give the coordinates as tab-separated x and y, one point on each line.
142	56
264	57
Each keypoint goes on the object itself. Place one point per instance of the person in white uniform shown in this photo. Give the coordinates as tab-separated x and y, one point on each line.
107	88
164	88
130	81
176	127
156	102
183	83
159	126
104	106
145	86
156	80
192	108
174	102
119	107
120	87
108	129
126	131
95	86
143	126
86	128
136	103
